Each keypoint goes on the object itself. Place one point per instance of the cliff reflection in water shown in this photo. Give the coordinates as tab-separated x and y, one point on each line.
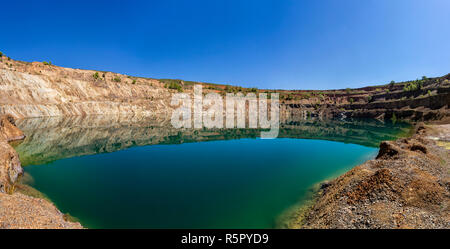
54	138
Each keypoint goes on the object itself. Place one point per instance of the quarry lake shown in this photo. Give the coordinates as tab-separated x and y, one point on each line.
122	172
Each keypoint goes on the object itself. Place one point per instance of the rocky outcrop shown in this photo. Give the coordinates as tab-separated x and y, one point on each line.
10	167
406	186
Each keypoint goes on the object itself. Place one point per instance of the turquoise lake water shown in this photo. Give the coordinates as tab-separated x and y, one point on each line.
142	176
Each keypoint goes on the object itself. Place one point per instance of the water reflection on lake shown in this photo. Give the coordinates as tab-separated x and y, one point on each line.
122	172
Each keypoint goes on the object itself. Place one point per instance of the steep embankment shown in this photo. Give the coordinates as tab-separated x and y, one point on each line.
18	210
38	89
418	100
406	186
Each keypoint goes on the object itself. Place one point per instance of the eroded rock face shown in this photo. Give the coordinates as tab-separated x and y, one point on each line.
37	90
10	167
9	130
384	103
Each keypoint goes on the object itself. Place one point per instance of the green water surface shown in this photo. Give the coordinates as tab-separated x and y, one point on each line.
145	176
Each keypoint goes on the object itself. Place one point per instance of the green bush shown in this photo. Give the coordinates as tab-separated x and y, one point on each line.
47	63
289	97
174	85
213	87
391	84
170	81
348	90
413	86
322	98
117	79
134	82
351	100
234	89
394	118
95	75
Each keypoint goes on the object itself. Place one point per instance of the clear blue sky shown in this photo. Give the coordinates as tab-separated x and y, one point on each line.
267	44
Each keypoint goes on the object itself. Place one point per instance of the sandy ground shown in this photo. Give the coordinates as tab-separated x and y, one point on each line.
20	211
